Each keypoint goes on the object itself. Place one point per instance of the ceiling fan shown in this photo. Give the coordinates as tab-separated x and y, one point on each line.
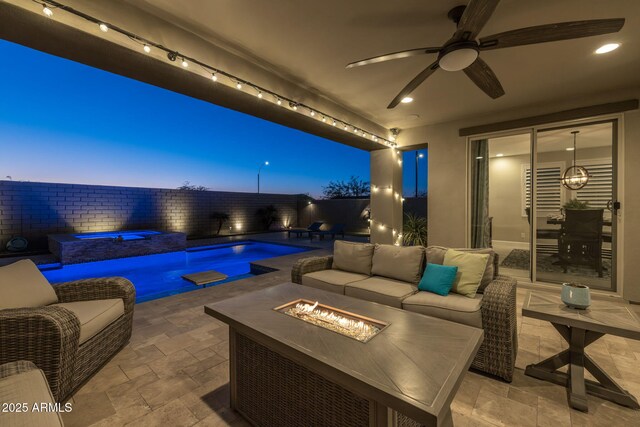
461	51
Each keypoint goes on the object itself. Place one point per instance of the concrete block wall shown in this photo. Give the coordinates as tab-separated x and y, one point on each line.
34	210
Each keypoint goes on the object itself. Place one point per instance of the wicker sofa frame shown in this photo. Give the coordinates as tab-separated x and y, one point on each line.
497	354
49	336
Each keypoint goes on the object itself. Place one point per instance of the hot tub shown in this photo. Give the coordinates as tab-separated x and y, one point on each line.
121	235
98	246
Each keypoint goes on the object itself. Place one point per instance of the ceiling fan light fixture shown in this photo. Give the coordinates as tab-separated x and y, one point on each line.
407	99
609	47
458	59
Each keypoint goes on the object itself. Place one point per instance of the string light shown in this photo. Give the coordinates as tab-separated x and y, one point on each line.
172	55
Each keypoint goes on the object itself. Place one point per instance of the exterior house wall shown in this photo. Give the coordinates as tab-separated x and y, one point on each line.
33	210
448	174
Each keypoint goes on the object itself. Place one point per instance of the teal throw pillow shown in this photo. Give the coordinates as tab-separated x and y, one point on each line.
438	279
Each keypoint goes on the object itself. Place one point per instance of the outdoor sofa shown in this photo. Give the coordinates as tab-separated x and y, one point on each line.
389	275
69	330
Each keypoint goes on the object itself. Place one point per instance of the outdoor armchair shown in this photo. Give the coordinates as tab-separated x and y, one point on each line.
69	330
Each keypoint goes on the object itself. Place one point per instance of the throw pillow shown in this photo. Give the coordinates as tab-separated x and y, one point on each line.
352	257
471	267
438	279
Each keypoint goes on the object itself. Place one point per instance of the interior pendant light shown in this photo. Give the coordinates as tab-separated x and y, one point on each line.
575	177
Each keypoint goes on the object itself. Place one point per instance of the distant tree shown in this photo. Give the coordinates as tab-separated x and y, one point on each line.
187	186
268	215
340	189
221	217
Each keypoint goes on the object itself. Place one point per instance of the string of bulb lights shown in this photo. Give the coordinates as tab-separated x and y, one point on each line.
215	74
381	225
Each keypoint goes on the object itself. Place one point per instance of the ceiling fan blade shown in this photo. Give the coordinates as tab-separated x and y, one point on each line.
480	73
551	33
413	84
474	18
394	55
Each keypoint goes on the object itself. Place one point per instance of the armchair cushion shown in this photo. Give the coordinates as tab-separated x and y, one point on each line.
397	262
94	315
352	257
23	285
26	384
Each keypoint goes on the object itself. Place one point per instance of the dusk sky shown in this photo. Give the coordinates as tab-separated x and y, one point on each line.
61	121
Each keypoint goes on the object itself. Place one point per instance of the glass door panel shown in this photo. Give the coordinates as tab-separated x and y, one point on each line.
574	194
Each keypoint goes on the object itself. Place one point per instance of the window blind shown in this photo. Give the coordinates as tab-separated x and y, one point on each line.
549	188
599	189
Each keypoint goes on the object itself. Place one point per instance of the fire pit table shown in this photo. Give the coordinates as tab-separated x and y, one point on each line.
303	356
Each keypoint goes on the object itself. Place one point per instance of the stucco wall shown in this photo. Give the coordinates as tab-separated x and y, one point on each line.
34	210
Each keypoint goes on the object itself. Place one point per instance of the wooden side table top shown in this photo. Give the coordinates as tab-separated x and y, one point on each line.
602	316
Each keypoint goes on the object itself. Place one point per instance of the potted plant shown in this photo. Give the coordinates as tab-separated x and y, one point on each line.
575	204
414	230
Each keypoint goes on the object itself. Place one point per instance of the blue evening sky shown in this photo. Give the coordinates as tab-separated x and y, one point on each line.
61	121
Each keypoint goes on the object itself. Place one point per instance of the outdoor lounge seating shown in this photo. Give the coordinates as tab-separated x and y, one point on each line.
299	231
389	275
335	230
69	330
22	383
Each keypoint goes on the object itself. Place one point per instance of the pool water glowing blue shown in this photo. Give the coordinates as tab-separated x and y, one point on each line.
125	235
159	275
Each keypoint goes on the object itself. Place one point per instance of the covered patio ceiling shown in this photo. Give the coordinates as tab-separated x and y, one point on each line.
300	49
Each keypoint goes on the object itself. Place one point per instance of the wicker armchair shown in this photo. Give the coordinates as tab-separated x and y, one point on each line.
49	336
497	354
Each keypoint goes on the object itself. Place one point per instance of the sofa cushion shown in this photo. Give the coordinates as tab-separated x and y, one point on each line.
94	315
331	280
381	290
435	255
23	285
471	268
438	279
453	307
352	257
398	262
31	388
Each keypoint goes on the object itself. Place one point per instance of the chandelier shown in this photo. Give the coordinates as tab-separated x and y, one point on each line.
575	177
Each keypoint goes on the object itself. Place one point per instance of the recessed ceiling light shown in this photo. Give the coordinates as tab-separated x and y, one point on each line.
407	99
570	149
607	48
499	155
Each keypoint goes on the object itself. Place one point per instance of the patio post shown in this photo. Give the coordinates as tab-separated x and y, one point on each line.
386	196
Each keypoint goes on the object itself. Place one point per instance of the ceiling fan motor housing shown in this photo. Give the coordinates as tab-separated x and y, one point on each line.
458	56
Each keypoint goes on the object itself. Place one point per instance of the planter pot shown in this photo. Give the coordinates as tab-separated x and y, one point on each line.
575	295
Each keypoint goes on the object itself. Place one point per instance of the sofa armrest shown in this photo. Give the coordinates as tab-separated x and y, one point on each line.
500	324
309	265
100	288
48	337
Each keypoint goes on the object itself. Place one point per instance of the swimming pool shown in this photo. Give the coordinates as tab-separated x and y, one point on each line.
159	275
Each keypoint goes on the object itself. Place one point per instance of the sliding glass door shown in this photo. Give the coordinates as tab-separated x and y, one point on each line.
563	222
575	197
